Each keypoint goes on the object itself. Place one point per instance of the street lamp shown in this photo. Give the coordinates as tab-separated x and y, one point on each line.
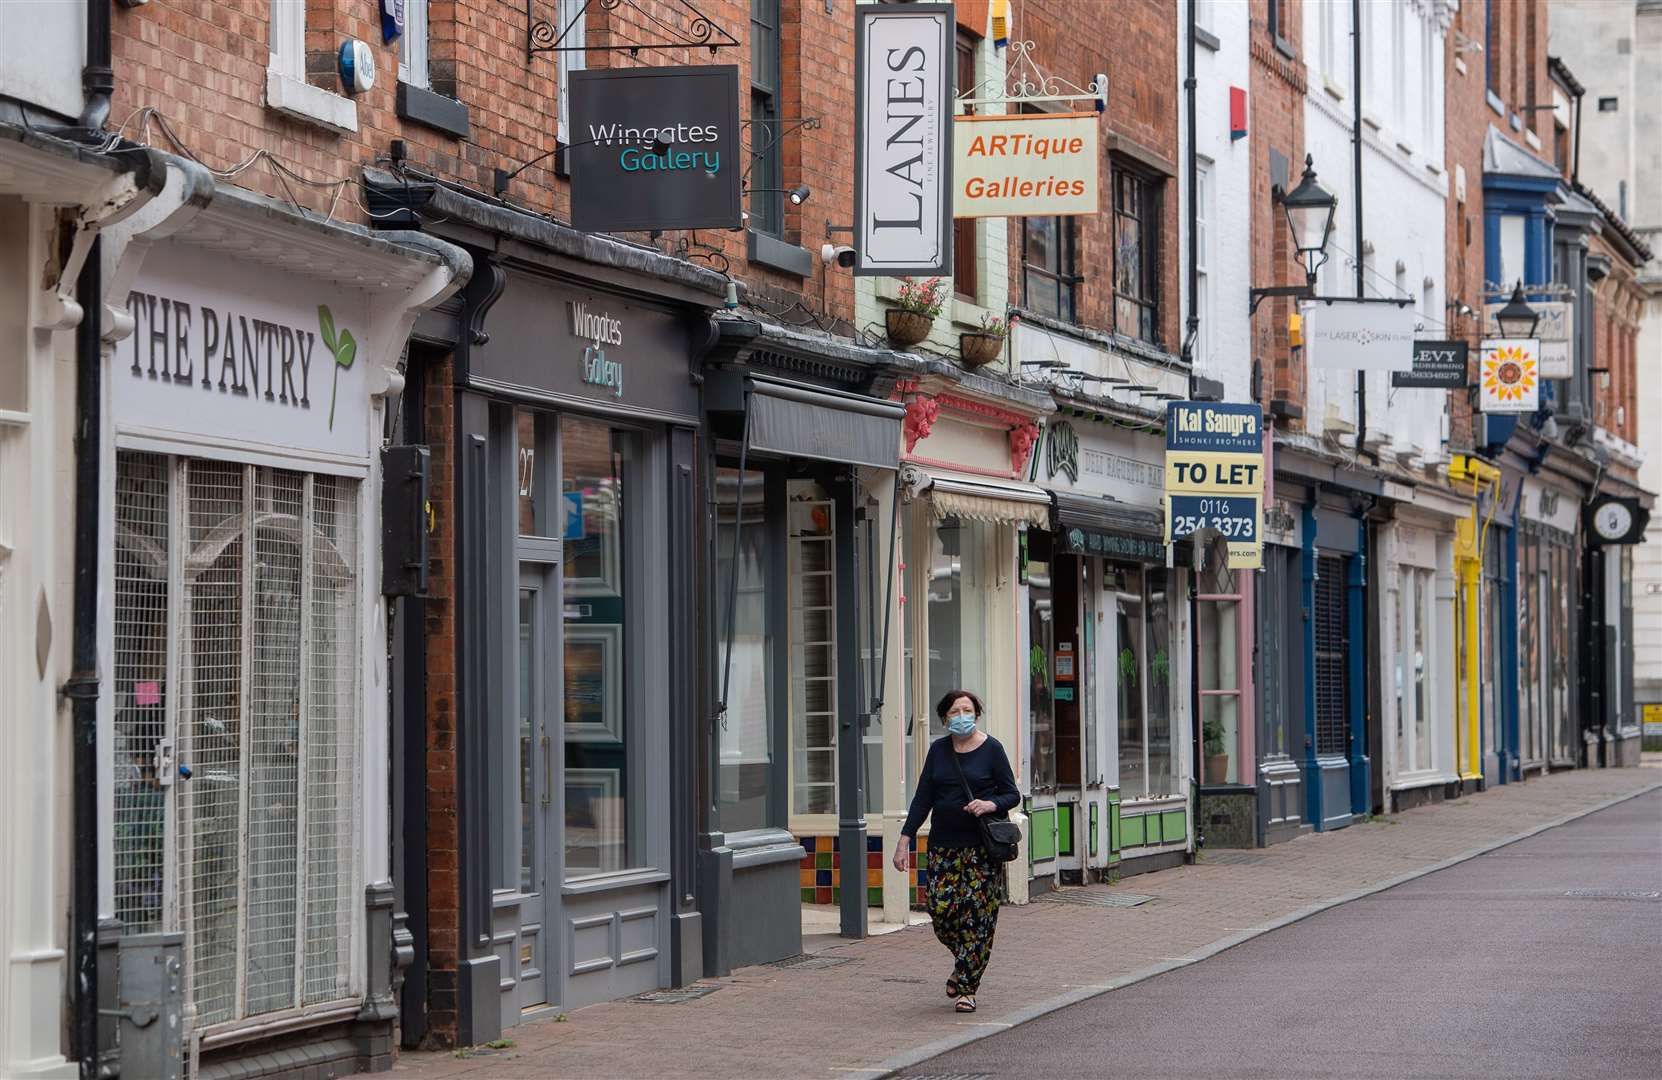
1309	209
1517	319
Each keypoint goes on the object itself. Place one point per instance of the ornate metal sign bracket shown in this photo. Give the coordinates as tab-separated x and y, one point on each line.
666	32
1026	83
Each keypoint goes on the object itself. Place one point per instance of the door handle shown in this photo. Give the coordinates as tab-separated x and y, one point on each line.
547	770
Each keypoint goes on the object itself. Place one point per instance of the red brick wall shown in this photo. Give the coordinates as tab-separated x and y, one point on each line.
1275	101
1466	116
1135	41
202	65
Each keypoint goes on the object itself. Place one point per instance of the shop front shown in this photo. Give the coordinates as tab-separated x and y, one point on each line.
575	648
244	716
802	468
1613	521
964	615
1332	637
1109	750
1549	631
1421	645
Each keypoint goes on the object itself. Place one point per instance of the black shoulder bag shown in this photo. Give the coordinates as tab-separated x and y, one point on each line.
1002	839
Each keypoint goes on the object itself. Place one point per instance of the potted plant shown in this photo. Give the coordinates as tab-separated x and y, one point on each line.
920	301
1217	758
979	347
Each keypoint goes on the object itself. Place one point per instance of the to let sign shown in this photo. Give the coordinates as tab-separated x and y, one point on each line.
903	65
1438	365
655	148
1020	165
1215	474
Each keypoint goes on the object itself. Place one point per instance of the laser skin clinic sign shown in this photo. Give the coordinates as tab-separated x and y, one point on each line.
655	148
1509	377
903	68
1215	475
1041	165
224	352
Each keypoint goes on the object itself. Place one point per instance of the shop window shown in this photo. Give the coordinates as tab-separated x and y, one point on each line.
599	763
1136	253
1048	267
1414	698
1041	683
745	739
813	574
237	657
1217	614
767	208
1144	677
947	572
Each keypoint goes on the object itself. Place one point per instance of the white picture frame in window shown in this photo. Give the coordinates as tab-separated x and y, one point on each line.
602	789
608	728
609	581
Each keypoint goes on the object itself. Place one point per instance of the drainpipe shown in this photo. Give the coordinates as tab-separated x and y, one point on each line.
97	85
1193	329
1356	151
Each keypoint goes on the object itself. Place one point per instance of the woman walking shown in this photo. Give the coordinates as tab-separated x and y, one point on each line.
964	881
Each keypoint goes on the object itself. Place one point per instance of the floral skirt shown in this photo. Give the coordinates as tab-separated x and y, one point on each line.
963	906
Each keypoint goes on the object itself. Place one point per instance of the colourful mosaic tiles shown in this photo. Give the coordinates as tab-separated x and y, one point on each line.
820	871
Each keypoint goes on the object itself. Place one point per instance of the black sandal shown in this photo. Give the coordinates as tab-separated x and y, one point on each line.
966	1004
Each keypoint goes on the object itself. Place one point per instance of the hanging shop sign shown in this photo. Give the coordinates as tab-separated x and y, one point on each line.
1358	335
1554	329
1215	475
1438	365
655	148
1509	377
1025	164
225	350
1616	519
903	69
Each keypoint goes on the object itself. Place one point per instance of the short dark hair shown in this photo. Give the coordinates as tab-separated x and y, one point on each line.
952	696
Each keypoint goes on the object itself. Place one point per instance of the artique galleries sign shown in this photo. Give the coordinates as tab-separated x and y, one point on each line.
1042	164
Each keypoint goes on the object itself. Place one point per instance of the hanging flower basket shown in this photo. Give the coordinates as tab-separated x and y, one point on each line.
978	348
907	328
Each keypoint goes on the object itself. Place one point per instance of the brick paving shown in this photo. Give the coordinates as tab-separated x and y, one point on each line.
886	1003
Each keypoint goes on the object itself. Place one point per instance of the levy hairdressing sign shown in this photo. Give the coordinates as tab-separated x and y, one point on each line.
903	57
224	351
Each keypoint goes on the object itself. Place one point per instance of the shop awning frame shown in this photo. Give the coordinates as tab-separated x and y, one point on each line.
998	502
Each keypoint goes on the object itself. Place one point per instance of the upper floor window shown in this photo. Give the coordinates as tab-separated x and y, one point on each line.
966	279
767	208
1048	268
573	23
1491	46
1136	253
412	46
1203	258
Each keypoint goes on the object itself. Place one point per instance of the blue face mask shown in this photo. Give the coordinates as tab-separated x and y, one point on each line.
961	725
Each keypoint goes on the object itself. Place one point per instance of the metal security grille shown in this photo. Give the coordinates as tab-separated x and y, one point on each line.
255	570
140	676
1331	677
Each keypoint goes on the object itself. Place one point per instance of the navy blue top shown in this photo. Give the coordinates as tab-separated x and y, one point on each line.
940	795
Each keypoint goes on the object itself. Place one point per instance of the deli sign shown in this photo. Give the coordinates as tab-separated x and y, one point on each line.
1025	164
903	66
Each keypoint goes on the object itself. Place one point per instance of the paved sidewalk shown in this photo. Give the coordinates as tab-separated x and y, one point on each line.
884	1007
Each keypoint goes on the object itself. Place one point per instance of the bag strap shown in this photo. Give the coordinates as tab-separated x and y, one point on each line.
980	822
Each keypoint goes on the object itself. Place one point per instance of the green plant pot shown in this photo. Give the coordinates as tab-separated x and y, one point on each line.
977	349
907	328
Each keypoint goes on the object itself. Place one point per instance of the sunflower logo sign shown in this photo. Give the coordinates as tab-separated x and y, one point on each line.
1511	375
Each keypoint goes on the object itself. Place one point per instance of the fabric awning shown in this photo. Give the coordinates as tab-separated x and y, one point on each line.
1002	502
826	425
1115	530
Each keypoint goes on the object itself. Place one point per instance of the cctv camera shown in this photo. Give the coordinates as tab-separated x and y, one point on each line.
841	254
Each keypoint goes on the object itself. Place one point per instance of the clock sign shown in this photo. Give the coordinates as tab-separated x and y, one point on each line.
1617	520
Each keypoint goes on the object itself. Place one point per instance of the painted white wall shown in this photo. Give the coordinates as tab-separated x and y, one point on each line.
1224	349
1405	189
42	50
